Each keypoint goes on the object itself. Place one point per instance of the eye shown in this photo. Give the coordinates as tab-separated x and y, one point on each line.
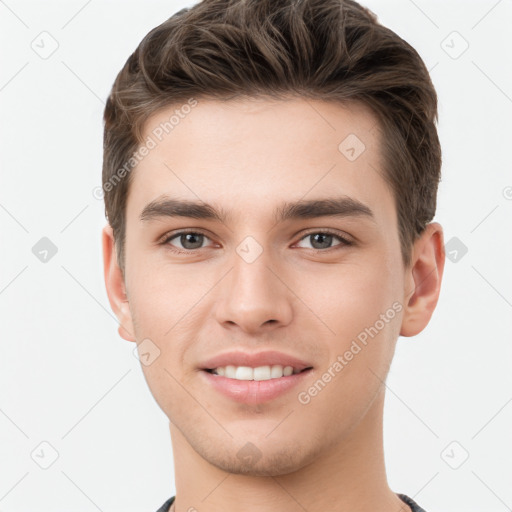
321	240
189	240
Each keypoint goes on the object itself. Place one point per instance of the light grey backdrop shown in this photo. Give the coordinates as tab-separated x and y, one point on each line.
79	428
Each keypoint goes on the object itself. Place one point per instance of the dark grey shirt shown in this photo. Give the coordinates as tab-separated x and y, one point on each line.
414	506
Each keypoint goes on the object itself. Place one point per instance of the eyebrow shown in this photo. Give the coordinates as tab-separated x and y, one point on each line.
344	206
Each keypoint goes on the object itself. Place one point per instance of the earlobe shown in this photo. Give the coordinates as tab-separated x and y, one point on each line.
423	280
115	285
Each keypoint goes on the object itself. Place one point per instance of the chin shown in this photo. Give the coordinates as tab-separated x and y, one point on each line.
251	461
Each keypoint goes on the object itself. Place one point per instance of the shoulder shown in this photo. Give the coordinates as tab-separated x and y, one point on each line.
414	506
166	505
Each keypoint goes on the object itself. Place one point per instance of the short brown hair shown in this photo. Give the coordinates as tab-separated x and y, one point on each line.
332	50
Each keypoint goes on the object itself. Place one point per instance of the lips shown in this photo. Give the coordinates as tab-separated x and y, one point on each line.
259	359
254	378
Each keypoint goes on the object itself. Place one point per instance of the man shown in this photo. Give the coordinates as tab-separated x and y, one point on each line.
270	177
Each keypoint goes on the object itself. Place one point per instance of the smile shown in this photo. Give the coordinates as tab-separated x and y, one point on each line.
259	373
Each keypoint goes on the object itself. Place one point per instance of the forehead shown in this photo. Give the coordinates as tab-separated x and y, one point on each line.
245	155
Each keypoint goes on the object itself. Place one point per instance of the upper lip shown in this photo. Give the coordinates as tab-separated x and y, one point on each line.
264	358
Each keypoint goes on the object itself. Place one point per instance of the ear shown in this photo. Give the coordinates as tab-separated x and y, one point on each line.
423	280
114	282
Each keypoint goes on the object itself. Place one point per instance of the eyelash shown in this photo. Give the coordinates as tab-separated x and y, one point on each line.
167	239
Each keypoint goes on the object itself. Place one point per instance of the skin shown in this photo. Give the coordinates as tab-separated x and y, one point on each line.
247	157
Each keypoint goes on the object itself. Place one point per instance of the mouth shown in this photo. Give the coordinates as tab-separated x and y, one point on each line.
246	389
258	373
254	377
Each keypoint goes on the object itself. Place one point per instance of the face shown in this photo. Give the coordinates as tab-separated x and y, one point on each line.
290	258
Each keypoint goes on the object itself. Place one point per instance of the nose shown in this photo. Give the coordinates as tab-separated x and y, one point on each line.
254	297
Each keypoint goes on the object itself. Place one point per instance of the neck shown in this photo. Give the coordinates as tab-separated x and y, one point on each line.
349	476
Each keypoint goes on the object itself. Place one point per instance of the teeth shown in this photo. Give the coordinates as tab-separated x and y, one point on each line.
259	373
262	373
244	373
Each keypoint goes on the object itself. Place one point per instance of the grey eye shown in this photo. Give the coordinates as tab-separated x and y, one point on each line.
189	240
321	240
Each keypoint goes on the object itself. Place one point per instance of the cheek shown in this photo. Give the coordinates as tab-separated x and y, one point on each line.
164	316
168	304
354	298
361	307
164	296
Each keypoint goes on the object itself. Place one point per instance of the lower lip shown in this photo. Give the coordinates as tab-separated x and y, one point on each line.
254	391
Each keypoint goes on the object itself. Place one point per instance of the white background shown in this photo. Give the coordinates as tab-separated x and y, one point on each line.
68	379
